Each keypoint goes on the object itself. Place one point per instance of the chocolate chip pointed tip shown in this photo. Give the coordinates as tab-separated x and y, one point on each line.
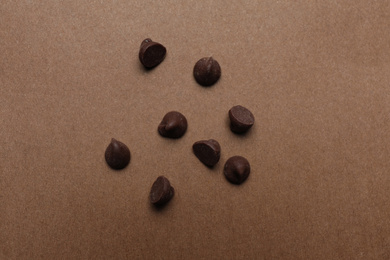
117	155
146	41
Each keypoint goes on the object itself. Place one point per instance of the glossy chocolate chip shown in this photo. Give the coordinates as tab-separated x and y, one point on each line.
207	151
241	119
173	125
117	155
151	53
237	169
161	191
207	71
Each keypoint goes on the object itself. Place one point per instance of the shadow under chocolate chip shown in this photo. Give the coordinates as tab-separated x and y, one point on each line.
173	125
117	155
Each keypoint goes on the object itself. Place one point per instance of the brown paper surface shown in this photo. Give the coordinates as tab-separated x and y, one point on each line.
315	74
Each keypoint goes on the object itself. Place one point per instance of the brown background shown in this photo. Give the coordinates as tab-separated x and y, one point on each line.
316	75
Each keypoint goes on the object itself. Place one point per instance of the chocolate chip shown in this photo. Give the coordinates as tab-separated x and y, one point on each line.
207	151
241	119
151	53
173	125
117	155
207	71
161	191
237	169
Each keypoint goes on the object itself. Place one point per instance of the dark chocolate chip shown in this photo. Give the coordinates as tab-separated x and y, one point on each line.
207	151
161	191
151	53
173	125
207	71
117	155
241	119
237	169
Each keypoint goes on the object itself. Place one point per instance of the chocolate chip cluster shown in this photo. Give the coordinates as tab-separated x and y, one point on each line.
207	72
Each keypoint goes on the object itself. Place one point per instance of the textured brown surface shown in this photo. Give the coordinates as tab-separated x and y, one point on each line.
315	74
